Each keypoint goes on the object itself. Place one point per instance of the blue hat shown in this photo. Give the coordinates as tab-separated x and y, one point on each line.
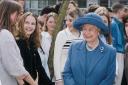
93	19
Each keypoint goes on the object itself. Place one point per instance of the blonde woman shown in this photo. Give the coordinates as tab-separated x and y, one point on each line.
63	41
28	42
46	39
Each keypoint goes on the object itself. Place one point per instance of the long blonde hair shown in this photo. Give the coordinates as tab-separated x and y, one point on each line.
52	14
102	11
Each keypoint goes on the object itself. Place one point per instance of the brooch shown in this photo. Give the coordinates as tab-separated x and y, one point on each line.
101	49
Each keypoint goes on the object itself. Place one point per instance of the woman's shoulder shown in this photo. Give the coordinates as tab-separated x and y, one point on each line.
19	40
62	32
6	35
65	33
45	34
110	48
62	35
21	43
77	42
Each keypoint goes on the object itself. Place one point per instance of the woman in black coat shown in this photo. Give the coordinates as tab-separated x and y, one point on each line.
28	41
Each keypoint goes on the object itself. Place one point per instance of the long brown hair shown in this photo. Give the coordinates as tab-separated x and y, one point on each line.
51	14
102	11
35	37
7	7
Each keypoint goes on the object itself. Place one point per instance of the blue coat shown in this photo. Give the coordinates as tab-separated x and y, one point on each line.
117	31
99	71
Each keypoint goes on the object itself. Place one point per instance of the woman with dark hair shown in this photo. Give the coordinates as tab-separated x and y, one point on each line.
11	64
28	42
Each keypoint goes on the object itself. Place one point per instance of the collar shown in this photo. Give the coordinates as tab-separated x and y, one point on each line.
82	46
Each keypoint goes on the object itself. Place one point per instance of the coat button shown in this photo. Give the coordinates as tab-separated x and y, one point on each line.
101	49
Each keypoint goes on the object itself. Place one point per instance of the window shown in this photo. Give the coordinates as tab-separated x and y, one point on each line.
35	6
82	3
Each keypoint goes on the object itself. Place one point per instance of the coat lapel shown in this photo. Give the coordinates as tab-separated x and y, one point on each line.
82	59
97	57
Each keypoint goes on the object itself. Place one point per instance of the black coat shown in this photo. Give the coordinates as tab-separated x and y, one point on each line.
32	62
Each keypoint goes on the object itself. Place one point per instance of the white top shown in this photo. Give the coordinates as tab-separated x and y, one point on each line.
11	63
62	44
45	44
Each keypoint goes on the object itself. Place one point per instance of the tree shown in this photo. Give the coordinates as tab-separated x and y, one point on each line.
58	28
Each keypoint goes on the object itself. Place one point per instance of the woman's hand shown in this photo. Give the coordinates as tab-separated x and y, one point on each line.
20	79
60	82
36	81
20	82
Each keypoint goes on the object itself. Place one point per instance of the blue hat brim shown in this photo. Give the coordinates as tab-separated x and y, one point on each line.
90	20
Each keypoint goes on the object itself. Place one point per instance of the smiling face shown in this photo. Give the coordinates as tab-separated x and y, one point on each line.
90	32
69	21
51	23
29	25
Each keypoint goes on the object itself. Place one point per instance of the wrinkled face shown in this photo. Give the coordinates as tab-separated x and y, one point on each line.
14	17
51	23
90	32
69	21
29	25
126	28
105	19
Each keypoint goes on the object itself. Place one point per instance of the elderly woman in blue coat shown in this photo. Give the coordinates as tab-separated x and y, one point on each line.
90	61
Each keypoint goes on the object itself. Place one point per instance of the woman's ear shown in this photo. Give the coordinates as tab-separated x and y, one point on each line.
99	32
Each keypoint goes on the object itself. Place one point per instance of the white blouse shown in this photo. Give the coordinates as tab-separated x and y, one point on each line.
62	44
44	52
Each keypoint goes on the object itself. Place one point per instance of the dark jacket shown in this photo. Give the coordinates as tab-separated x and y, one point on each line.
125	76
32	62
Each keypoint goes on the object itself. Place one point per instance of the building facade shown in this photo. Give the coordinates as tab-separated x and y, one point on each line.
35	6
